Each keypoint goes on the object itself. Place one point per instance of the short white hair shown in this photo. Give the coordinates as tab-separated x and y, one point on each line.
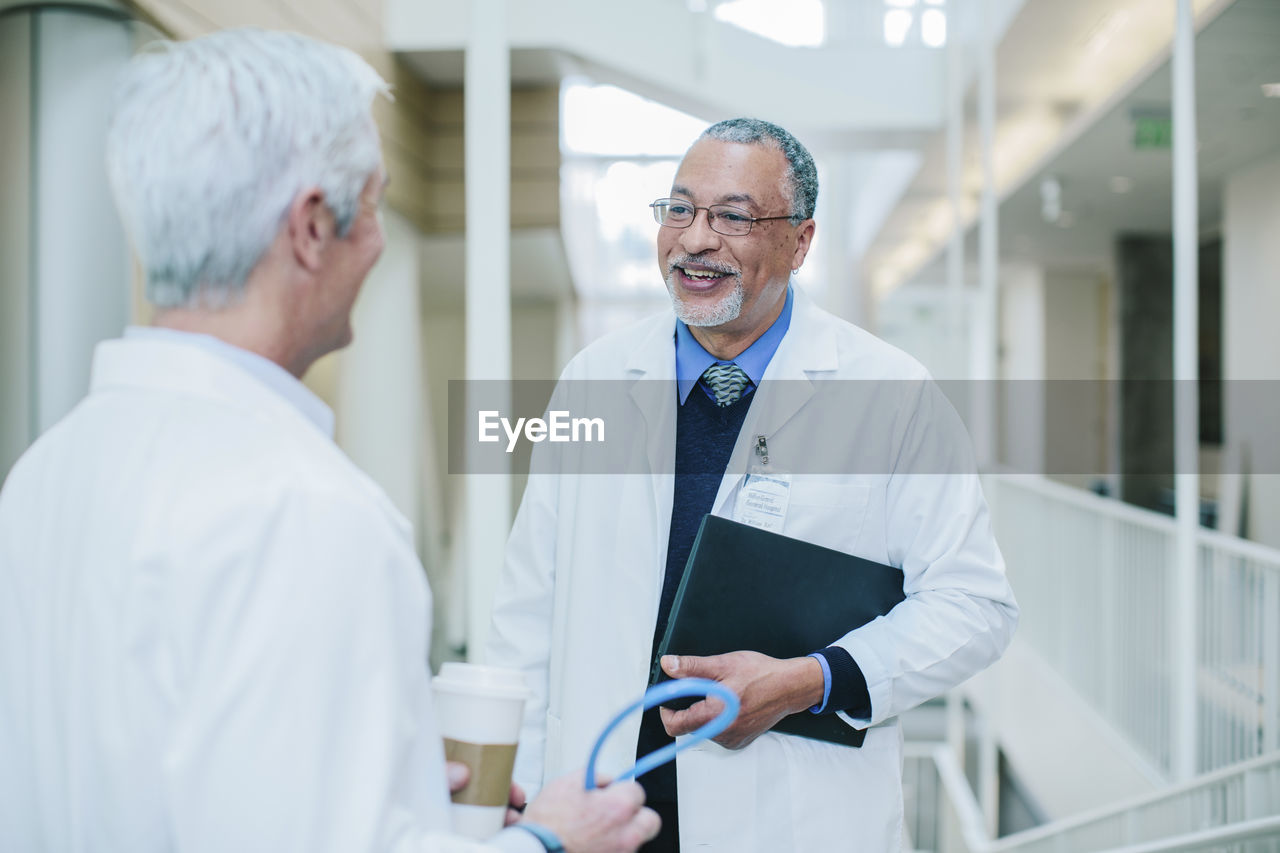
212	139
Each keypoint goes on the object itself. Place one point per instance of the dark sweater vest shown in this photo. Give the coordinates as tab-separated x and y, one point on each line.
705	436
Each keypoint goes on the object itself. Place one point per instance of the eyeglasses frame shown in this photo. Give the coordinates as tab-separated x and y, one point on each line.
751	220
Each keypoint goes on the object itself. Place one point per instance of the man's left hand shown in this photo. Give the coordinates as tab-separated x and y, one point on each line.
769	688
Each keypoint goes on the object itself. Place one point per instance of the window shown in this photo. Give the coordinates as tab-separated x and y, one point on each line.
915	22
620	152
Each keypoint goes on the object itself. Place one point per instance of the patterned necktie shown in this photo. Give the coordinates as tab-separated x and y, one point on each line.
726	382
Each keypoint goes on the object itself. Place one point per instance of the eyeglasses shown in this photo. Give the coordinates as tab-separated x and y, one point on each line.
723	218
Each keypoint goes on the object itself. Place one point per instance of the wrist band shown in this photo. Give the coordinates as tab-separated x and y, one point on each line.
549	839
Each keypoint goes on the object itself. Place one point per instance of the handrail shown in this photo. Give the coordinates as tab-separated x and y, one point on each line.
955	788
1239	547
1137	515
1168	793
1260	828
959	794
1089	500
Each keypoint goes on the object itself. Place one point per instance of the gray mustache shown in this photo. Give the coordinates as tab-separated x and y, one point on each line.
693	259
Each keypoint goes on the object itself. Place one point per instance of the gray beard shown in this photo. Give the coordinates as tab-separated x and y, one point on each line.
704	316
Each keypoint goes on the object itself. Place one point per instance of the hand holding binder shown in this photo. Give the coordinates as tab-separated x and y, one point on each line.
748	589
770	689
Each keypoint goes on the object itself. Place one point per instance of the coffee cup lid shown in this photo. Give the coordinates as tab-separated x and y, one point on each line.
498	682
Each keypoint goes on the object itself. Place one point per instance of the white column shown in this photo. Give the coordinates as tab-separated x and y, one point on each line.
80	272
488	347
16	414
1186	426
955	169
986	328
955	725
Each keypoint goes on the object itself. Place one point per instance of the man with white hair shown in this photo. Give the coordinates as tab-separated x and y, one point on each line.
214	630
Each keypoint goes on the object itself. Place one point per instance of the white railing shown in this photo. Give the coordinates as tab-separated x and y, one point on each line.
1236	808
1094	578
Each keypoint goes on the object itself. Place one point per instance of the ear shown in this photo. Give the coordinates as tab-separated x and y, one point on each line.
804	239
311	228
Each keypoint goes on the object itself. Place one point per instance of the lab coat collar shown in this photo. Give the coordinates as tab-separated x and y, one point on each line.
655	357
176	367
808	351
809	345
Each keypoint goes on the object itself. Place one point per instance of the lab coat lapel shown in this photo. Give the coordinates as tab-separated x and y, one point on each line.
652	369
808	348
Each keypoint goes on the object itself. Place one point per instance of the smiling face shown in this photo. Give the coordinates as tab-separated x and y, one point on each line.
729	289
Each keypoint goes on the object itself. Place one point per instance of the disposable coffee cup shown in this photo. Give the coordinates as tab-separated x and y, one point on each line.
480	709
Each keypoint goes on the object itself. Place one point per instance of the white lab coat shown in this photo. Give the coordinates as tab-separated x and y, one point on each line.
213	632
580	589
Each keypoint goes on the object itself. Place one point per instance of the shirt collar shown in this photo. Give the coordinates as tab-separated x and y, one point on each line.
264	370
692	360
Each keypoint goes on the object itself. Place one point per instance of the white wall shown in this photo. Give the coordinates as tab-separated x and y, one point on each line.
1023	367
379	401
1076	348
913	318
443	334
1251	345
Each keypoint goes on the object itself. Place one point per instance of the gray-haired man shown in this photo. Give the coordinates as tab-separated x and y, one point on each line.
214	630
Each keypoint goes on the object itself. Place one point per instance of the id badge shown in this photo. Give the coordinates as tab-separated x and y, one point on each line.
763	501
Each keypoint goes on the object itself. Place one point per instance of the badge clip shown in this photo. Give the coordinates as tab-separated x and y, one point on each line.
762	449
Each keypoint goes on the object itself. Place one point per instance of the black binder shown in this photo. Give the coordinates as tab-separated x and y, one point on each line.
749	589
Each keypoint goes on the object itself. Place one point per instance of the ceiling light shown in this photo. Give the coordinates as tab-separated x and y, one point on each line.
1271	90
1120	184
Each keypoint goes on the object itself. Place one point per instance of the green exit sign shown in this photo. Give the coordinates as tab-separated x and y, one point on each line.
1152	132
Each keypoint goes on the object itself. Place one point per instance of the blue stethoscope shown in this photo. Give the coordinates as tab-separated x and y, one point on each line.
657	695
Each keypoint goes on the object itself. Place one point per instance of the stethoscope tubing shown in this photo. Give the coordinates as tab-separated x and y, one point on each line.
657	695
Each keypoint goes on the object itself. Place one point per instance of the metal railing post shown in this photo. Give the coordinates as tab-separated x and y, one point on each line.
1186	396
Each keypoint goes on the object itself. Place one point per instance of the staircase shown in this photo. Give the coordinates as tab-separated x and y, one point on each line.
1094	579
1236	808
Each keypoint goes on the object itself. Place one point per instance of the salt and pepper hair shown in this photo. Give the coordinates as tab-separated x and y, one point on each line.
802	175
212	139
